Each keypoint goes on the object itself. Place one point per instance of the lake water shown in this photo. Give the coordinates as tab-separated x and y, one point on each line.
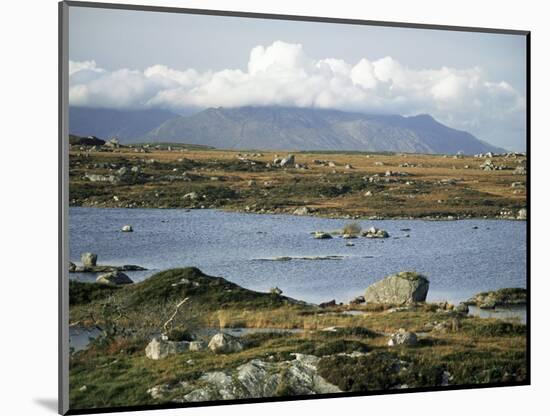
459	260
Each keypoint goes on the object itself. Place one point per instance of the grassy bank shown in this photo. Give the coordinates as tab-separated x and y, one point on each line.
355	356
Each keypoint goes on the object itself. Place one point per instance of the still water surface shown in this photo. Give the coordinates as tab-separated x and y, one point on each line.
459	260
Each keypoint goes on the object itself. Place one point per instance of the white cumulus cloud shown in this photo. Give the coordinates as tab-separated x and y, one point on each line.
283	74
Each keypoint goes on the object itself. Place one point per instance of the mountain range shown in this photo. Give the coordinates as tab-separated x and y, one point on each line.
280	128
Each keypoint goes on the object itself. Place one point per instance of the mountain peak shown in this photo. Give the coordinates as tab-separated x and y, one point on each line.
290	128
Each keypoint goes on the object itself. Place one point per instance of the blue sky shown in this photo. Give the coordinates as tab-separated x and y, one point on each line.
133	59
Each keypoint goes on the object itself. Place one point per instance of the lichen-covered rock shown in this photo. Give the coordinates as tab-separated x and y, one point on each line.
402	337
400	288
225	344
254	379
160	348
114	278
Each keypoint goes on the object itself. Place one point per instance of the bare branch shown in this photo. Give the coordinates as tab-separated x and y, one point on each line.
169	321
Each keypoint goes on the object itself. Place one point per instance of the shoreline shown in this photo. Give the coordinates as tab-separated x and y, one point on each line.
311	214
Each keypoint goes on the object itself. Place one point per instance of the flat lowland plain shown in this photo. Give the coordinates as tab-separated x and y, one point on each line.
331	184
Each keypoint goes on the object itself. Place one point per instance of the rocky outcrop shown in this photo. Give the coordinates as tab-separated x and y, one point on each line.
225	344
89	265
400	288
502	297
106	268
254	379
114	278
301	211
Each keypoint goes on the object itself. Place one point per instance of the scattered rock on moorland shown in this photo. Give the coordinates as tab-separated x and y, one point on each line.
402	337
225	344
287	161
160	348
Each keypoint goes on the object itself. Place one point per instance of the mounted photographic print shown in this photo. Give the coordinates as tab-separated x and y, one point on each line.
264	207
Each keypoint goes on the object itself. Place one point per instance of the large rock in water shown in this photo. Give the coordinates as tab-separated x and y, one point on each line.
114	278
400	288
88	259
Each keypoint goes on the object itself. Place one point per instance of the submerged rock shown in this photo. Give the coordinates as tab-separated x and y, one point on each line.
225	344
400	288
321	235
114	278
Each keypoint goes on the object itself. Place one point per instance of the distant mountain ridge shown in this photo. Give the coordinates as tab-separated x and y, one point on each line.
126	125
291	128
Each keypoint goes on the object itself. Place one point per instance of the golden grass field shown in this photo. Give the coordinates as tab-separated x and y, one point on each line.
435	186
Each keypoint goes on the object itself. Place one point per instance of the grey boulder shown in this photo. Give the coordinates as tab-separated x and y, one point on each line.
88	259
114	278
400	288
160	348
402	337
225	344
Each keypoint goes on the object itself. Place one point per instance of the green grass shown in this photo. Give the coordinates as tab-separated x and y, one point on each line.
81	293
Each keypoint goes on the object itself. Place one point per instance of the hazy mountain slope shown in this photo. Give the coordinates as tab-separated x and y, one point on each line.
314	129
127	125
